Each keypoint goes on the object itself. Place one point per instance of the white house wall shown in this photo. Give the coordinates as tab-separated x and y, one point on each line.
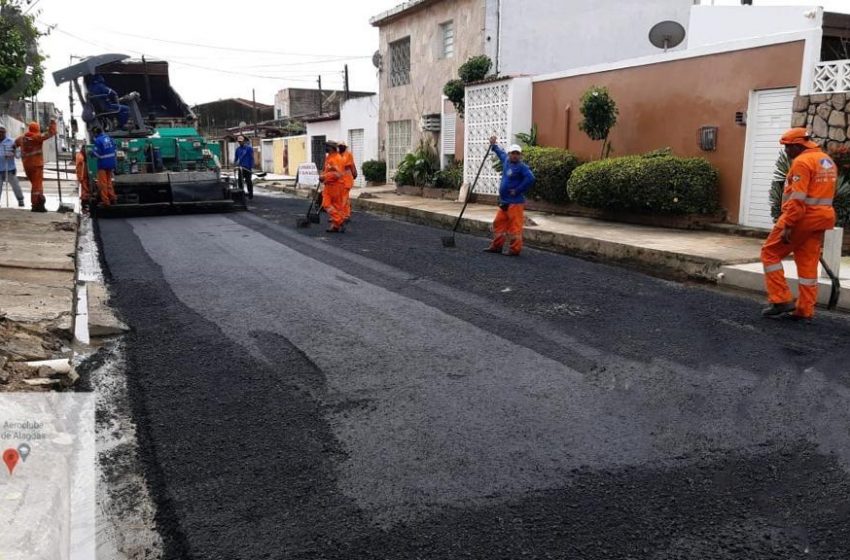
710	25
552	35
362	112
331	130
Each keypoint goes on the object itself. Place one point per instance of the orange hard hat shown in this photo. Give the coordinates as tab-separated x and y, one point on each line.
33	127
799	136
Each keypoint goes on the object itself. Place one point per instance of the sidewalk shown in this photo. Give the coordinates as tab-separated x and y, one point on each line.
679	253
44	302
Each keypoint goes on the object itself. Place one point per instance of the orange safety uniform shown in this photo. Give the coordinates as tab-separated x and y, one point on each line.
507	227
806	210
83	178
332	193
349	171
32	156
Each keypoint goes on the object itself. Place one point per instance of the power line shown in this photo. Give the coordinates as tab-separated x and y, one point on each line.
187	64
218	47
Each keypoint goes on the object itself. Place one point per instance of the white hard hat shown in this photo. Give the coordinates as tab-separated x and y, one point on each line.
515	148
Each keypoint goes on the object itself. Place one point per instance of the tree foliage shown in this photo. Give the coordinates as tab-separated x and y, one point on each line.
473	70
600	115
21	64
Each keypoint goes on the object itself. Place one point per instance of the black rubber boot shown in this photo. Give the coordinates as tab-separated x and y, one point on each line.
778	309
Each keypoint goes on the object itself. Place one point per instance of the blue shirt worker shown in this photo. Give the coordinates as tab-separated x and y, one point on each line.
104	151
109	99
7	166
517	178
244	162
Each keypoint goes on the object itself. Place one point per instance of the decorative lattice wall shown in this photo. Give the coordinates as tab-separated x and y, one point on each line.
501	108
487	108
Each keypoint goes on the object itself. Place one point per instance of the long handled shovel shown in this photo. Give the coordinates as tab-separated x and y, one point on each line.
835	293
449	240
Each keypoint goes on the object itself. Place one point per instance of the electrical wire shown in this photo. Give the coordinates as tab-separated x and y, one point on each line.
187	64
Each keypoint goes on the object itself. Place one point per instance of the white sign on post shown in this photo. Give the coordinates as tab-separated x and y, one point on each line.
307	175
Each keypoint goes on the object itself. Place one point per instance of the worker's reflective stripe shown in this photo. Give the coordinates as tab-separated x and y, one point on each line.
808	281
26	153
772	267
103	156
794	196
819	201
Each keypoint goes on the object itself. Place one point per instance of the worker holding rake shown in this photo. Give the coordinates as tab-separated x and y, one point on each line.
517	178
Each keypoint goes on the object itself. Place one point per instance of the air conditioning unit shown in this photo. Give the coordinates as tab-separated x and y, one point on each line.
430	123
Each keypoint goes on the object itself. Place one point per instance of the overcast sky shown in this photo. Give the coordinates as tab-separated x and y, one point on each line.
208	43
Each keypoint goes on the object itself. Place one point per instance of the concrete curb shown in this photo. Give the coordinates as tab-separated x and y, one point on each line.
664	262
657	261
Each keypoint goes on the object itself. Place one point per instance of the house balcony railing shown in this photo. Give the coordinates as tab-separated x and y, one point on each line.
832	77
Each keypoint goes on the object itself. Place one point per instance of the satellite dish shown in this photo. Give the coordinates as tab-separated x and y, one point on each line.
377	59
667	34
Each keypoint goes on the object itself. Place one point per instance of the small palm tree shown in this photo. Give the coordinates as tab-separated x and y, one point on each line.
777	186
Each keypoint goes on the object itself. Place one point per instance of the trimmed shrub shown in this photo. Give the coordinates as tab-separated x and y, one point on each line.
656	185
552	168
375	170
475	68
451	177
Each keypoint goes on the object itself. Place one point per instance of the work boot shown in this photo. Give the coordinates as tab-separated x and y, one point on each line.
777	309
799	318
493	250
21	203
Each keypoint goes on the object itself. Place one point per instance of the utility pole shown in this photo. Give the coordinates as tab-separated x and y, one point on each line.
254	101
346	82
320	94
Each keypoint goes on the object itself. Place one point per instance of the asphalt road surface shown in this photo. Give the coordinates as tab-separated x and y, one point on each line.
308	395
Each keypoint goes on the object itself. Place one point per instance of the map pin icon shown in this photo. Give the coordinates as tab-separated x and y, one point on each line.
10	457
24	451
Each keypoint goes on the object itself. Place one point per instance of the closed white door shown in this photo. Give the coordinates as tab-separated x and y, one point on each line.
355	143
768	117
267	152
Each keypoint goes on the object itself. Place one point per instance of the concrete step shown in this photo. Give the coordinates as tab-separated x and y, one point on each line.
751	277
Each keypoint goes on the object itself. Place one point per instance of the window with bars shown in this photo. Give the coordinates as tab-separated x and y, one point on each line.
400	62
447	35
398	143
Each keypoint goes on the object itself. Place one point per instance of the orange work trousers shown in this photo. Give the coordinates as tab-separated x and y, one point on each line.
508	227
346	202
105	187
806	246
333	203
35	175
85	192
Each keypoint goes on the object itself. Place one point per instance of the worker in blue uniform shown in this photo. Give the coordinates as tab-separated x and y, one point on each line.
109	99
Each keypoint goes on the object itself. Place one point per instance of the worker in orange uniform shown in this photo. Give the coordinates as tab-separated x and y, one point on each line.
32	156
332	197
349	174
103	149
807	213
83	178
517	178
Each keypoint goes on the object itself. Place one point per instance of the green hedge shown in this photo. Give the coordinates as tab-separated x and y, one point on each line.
374	171
658	185
552	168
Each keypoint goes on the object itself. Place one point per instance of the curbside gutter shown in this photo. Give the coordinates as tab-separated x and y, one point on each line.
656	261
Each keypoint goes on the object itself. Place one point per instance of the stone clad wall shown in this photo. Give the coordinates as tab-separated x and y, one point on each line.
826	116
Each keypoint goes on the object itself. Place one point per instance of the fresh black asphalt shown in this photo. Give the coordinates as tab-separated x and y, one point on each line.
373	395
